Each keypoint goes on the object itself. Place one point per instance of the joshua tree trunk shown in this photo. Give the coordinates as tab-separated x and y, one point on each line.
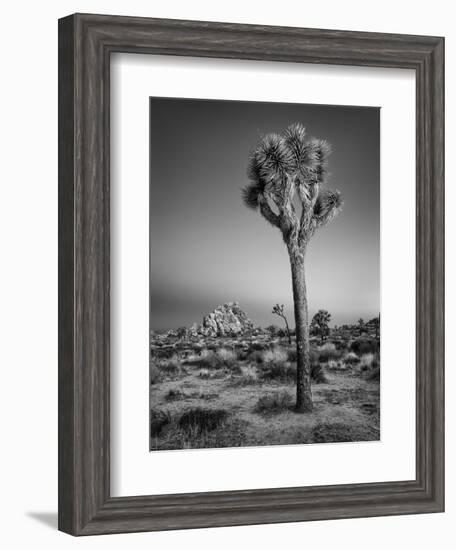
288	330
303	384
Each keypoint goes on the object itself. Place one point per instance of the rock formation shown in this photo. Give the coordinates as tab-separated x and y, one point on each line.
226	320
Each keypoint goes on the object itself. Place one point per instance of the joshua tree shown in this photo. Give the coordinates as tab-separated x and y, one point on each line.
361	328
375	322
278	310
284	169
320	323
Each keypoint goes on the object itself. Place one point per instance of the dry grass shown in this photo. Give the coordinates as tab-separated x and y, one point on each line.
366	361
282	371
247	374
338	432
328	352
256	389
174	395
364	345
274	402
154	374
275	356
351	358
374	374
201	420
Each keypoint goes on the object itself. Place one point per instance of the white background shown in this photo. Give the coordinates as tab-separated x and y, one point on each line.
133	468
28	300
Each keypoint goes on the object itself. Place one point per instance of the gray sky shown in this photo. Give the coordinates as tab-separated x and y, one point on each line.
207	248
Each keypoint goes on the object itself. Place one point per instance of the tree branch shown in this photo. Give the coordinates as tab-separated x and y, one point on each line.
327	206
289	219
267	212
308	195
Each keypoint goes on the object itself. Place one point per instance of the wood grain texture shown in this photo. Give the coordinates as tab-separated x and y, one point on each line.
85	45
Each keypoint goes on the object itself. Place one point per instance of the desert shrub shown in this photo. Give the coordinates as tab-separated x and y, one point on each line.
228	357
339	432
174	395
200	419
247	375
223	357
273	330
171	366
260	346
255	356
333	365
158	420
273	402
206	395
154	374
163	353
317	373
182	332
351	358
276	355
283	371
292	355
374	374
197	355
230	433
209	360
341	345
328	346
363	346
328	352
366	361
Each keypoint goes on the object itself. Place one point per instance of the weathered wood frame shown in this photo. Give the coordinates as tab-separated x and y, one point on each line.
85	45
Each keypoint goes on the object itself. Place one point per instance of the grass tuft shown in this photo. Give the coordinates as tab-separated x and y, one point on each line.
318	374
351	358
276	355
175	395
274	403
328	352
247	375
339	432
200	419
154	374
364	345
158	420
374	374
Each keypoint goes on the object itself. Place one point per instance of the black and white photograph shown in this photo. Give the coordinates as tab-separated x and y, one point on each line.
264	274
223	275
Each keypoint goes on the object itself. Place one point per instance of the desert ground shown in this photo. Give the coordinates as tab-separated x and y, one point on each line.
213	392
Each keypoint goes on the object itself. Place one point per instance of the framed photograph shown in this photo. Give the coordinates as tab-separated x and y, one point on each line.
251	274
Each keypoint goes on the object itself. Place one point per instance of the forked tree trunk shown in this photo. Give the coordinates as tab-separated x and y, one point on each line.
303	387
288	329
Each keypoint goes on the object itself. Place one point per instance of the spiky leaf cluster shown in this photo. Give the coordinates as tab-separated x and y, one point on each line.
281	166
326	201
250	195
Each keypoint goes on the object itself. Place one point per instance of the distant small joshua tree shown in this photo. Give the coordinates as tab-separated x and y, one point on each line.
278	310
376	324
284	170
320	324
